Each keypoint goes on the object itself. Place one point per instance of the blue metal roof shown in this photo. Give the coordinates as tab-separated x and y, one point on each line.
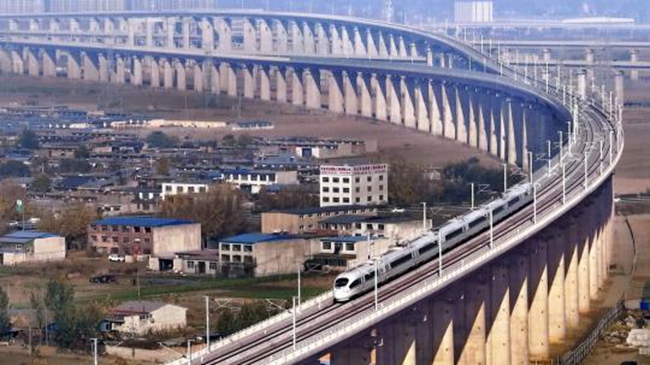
252	238
141	221
21	237
29	234
346	239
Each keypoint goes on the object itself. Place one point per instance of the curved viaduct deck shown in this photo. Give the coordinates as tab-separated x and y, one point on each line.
501	297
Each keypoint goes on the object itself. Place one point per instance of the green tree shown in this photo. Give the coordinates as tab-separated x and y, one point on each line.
72	223
14	168
10	193
226	323
219	210
229	140
159	139
288	198
162	166
28	140
73	165
244	140
82	152
41	184
5	323
251	313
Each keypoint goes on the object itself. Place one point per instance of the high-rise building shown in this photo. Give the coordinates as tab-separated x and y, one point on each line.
472	11
73	6
172	4
353	185
22	6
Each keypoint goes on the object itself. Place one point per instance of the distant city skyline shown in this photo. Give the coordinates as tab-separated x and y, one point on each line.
403	10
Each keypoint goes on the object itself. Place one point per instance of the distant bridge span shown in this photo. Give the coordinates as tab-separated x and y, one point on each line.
504	296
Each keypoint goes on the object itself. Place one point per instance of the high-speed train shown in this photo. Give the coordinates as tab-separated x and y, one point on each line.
398	260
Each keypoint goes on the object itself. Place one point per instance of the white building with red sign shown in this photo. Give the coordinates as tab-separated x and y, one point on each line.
353	185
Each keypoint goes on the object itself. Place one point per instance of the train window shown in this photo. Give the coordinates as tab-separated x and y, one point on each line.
498	210
400	260
339	283
370	276
453	234
427	248
476	222
513	201
355	283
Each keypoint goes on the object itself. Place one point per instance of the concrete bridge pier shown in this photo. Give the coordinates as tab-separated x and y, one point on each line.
401	47
435	113
556	280
185	32
422	111
120	71
6	62
335	40
229	78
33	66
407	95
213	78
154	73
590	60
335	85
49	66
224	33
382	49
392	47
546	55
265	83
582	84
297	91
250	37
472	106
571	294
447	94
199	77
136	71
309	42
280	85
619	89
461	114
249	82
429	57
348	47
443	332
73	67
322	42
393	94
363	83
498	316
265	37
297	41
351	100
207	34
90	68
634	58
538	313
281	38
379	85
399	342
311	82
519	297
102	68
169	27
371	46
470	334
168	74
359	46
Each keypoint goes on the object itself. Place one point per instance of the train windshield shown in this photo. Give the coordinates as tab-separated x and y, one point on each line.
340	283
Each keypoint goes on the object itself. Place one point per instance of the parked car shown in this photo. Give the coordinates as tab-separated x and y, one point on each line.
103	279
116	258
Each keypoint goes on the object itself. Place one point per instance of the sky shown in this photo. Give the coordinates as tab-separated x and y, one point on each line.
439	10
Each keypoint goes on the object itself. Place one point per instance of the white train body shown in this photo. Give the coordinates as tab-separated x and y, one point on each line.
399	260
